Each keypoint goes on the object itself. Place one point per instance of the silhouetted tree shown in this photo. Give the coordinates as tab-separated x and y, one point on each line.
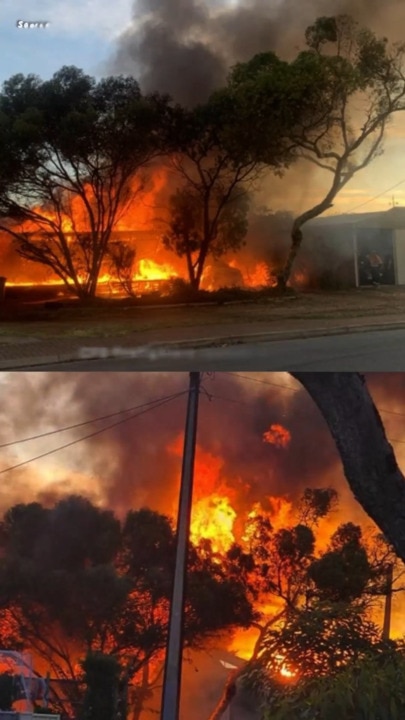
65	178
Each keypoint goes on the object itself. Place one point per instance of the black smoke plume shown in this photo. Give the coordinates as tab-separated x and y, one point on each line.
185	47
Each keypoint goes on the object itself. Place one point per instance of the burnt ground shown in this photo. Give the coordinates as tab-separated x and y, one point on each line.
109	318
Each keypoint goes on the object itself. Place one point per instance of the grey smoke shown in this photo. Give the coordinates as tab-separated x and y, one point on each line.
132	463
185	48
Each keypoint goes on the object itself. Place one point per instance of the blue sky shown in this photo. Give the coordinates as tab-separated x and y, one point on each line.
81	32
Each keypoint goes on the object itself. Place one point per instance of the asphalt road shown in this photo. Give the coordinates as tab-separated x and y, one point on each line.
357	352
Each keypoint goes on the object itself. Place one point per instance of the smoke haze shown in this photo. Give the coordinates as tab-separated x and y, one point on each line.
185	47
138	462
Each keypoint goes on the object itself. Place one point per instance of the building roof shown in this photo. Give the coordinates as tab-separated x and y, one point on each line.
393	219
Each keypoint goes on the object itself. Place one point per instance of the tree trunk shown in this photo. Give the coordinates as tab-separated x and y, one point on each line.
142	694
201	263
230	688
368	459
191	272
296	240
296	233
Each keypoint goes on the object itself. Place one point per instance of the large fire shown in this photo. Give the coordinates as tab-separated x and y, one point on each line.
222	516
142	224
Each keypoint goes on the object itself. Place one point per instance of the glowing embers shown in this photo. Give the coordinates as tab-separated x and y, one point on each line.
284	669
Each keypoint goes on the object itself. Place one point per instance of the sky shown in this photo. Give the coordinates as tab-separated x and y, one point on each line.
85	34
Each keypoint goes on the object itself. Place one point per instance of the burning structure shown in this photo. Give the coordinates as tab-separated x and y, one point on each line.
155	267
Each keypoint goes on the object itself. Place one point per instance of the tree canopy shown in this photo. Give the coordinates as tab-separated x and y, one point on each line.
66	179
335	99
208	211
77	582
304	594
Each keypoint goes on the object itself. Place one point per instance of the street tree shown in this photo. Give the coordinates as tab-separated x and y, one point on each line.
319	640
365	688
209	209
340	668
281	569
341	94
74	152
89	584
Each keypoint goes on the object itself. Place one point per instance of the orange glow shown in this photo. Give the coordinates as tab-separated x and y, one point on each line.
278	436
280	511
150	270
258	276
222	508
144	220
213	519
284	669
213	514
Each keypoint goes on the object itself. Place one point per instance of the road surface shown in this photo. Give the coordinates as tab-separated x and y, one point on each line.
359	352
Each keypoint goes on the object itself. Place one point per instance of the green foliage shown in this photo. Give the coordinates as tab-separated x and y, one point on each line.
323	31
329	105
370	689
320	639
188	231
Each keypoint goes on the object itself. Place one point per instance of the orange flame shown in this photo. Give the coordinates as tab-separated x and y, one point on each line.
278	436
151	270
284	669
213	519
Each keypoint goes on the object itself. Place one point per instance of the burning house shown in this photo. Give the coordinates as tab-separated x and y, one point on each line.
339	245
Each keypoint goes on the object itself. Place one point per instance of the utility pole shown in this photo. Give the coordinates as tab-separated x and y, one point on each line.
388	604
174	650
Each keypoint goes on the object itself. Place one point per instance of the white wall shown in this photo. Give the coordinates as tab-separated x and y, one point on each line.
399	256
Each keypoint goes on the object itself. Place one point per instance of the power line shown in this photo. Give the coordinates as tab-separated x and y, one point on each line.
211	396
152	402
391	412
356	207
287	387
80	424
93	434
263	382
